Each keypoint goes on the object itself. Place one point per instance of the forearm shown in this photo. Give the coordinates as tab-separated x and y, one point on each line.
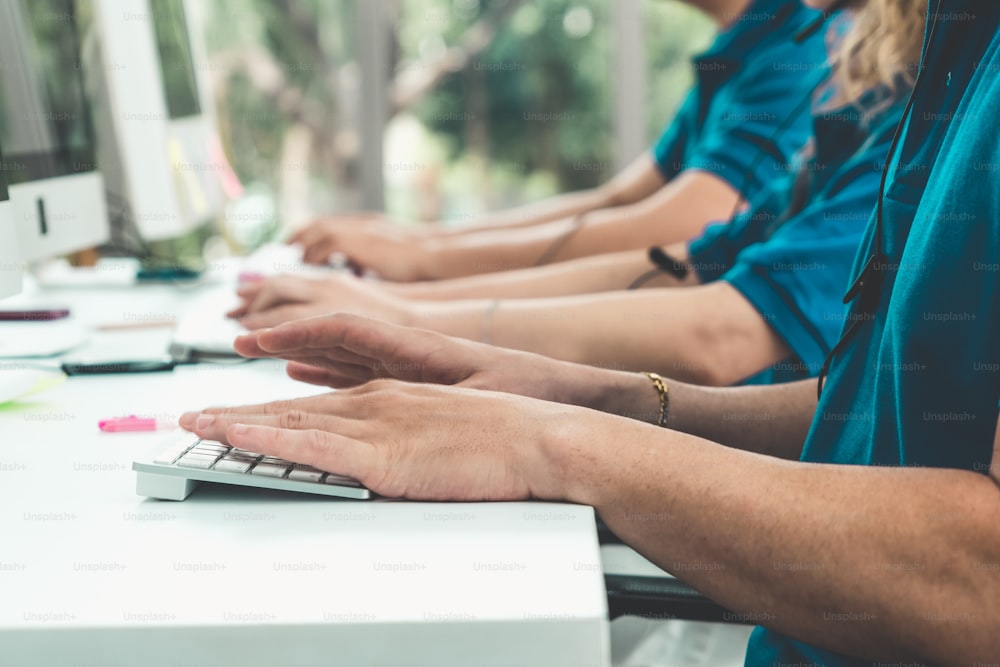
677	213
636	182
590	275
554	208
477	252
766	419
772	420
886	564
701	334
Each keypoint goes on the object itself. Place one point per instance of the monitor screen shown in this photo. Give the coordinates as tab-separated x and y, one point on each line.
176	63
45	124
4	195
10	262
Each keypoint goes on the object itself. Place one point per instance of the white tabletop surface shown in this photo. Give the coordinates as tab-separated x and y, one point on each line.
91	573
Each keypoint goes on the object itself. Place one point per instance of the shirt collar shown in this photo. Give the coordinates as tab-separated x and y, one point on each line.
760	18
840	132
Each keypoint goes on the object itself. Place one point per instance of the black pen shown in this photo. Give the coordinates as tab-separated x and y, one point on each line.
111	366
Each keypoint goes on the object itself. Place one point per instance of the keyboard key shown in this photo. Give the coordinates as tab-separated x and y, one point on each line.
270	469
242	456
201	461
176	449
210	448
340	481
208	451
232	465
305	474
243	452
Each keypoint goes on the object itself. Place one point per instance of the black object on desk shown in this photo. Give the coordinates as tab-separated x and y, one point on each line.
33	314
659	597
110	366
172	274
663	598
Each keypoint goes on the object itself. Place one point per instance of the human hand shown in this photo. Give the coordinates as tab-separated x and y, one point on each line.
273	301
422	442
370	241
347	350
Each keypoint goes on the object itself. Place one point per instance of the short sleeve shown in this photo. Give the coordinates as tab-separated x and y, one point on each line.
766	120
670	148
797	278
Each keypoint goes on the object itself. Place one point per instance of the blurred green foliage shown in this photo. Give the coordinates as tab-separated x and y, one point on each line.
532	103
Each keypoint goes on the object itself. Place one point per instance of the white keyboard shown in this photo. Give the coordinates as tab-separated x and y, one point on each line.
187	460
274	259
41	339
204	331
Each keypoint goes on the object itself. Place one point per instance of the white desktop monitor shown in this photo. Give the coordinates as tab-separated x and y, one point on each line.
46	131
158	143
10	260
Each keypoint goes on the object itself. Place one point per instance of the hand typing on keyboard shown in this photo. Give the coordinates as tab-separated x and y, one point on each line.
423	442
370	241
346	350
400	438
273	301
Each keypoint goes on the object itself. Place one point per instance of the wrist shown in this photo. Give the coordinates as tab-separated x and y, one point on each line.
579	455
419	290
552	459
630	395
427	259
410	315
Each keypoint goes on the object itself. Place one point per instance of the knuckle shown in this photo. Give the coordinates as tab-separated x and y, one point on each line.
228	413
345	318
381	385
314	446
278	408
293	419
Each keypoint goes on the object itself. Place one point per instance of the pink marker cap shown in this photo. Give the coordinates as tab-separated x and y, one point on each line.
127	424
250	277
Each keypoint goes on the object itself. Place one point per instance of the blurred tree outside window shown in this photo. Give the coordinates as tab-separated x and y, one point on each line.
491	103
674	32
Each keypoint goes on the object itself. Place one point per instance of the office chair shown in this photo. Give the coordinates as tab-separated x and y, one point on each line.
658	597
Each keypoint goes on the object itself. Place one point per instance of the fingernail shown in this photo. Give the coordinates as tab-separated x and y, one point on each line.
187	418
238	429
204	421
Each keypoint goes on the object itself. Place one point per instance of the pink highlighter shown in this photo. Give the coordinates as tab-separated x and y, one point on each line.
130	424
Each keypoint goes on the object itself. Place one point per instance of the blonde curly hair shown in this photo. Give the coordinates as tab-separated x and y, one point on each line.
881	49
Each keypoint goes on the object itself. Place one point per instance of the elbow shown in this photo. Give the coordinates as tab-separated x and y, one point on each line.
609	195
707	372
725	355
700	364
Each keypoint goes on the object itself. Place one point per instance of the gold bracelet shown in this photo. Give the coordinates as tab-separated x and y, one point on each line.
663	391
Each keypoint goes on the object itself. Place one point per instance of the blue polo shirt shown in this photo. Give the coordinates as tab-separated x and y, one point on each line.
919	381
747	83
794	270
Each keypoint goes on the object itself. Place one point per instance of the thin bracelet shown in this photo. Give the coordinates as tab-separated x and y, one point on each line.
487	336
579	220
663	391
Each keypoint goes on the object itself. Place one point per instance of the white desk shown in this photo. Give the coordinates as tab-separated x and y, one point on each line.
91	573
